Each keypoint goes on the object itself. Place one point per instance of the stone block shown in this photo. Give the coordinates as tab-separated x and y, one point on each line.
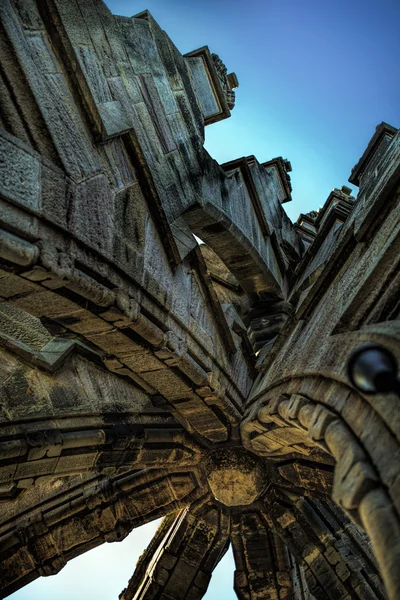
91	215
19	173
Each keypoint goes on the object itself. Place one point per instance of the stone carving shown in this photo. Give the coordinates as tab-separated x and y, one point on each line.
228	82
142	376
313	214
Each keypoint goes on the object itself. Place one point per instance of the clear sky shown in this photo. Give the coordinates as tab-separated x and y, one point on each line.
316	77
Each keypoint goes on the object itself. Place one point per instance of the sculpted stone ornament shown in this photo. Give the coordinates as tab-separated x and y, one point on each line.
143	376
235	477
228	82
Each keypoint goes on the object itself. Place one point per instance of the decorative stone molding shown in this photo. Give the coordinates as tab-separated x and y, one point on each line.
125	361
357	487
228	82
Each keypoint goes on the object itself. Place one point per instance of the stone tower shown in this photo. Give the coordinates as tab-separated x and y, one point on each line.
244	389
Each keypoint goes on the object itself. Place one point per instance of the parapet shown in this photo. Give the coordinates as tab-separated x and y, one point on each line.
214	86
282	167
376	148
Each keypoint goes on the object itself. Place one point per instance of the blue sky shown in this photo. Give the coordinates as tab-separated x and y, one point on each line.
315	77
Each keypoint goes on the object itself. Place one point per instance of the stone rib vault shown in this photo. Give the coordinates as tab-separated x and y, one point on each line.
143	375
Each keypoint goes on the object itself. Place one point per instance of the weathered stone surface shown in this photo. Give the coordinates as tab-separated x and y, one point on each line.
346	295
235	477
129	385
19	173
182	556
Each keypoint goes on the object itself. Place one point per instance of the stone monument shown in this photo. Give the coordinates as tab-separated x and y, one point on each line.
244	389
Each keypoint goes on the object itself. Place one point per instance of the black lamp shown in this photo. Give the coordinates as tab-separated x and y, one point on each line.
372	369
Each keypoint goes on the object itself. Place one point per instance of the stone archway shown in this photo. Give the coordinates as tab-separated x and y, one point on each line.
361	433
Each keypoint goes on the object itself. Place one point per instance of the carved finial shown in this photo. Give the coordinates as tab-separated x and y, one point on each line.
345	190
228	81
313	214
